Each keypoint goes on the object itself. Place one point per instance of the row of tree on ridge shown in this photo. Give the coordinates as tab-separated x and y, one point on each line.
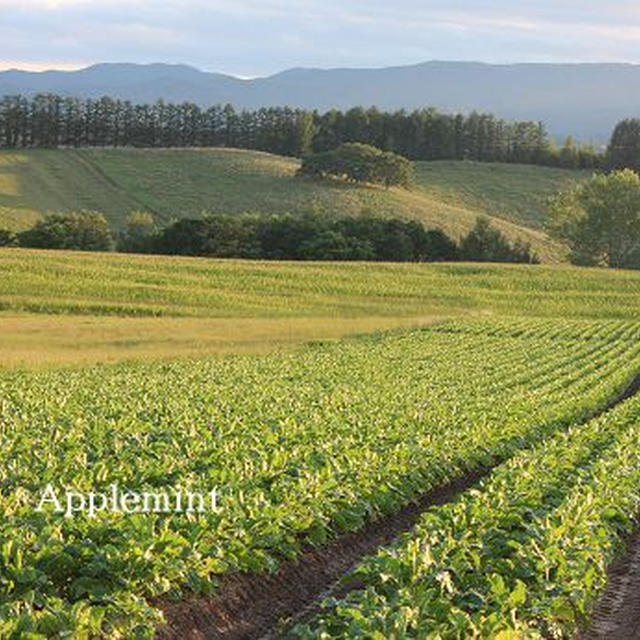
50	121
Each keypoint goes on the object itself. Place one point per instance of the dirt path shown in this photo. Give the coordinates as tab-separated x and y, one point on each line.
248	606
617	614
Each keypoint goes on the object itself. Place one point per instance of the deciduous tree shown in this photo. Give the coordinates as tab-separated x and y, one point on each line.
600	220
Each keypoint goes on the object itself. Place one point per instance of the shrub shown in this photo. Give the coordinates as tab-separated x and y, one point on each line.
7	238
140	234
80	231
486	244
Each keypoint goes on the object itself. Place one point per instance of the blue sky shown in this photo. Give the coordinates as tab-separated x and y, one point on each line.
259	37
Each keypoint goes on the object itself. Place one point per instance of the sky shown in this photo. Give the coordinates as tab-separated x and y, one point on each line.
249	38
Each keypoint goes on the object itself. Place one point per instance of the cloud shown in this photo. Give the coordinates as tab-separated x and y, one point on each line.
257	37
43	5
41	66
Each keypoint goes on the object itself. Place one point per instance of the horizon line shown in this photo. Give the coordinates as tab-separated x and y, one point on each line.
39	68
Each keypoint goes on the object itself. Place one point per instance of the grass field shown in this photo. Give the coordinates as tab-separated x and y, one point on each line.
41	340
517	193
117	284
179	182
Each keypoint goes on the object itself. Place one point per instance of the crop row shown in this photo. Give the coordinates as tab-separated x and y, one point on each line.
523	556
299	446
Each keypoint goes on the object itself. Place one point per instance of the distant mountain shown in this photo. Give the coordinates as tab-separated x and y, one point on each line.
585	100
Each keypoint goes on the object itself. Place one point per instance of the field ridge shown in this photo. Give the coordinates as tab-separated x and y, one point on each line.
617	613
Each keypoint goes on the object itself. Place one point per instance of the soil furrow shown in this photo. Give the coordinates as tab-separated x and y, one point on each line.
249	606
617	614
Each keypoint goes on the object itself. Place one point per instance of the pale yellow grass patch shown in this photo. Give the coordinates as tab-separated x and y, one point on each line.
50	340
8	185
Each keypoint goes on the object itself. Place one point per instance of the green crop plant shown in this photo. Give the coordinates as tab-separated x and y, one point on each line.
522	556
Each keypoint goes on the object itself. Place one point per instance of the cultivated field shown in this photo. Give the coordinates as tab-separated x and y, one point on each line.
499	440
525	554
305	447
130	285
175	183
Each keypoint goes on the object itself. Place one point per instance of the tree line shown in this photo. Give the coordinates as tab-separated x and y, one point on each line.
272	237
49	120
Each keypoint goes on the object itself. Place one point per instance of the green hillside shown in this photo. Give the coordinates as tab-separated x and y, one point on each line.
181	182
517	193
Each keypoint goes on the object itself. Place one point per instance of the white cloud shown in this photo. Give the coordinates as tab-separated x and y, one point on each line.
56	4
42	65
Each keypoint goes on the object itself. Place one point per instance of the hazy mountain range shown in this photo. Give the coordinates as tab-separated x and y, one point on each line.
585	100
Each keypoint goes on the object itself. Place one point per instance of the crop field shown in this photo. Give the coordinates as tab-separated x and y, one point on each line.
304	448
62	282
504	424
67	308
184	182
63	308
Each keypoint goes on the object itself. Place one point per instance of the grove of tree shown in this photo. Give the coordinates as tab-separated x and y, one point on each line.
77	230
359	162
273	237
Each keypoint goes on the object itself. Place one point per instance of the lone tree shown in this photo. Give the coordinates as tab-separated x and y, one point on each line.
358	162
623	151
600	220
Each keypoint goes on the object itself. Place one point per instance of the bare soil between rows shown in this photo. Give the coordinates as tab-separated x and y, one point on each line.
617	614
251	606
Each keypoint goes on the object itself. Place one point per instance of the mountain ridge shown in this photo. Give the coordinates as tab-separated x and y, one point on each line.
581	99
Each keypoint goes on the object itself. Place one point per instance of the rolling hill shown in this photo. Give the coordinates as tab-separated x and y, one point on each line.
585	100
185	182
